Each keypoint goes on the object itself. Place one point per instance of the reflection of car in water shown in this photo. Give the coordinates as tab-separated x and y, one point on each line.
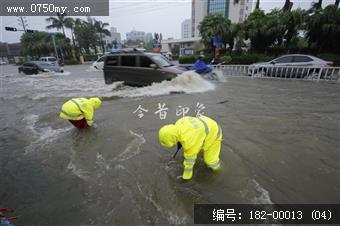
138	68
34	67
99	64
288	65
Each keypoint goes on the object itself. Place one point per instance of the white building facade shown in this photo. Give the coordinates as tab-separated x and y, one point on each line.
138	35
199	9
186	29
115	36
235	12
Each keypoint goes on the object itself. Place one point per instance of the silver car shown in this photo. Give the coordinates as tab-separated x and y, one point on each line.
286	64
34	67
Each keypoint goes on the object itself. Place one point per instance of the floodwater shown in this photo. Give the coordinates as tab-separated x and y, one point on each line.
281	145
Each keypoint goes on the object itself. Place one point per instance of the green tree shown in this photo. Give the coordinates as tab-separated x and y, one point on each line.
293	22
70	23
58	22
323	29
100	28
215	25
263	30
39	44
85	33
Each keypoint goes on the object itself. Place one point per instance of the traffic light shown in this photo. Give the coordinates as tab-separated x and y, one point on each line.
30	31
10	29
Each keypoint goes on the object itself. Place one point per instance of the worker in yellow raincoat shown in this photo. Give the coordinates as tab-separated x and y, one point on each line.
79	111
194	134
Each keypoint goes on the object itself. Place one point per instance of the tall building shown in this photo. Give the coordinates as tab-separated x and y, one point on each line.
135	35
235	12
186	29
199	9
115	36
219	6
239	12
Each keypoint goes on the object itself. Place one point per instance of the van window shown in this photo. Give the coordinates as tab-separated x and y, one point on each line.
129	61
112	61
52	59
145	61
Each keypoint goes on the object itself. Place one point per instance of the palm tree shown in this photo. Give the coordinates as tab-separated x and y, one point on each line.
100	28
57	22
70	23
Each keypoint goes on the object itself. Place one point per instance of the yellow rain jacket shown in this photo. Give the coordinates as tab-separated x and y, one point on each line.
79	108
195	134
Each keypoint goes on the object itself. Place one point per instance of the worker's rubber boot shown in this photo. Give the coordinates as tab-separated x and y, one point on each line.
187	174
216	168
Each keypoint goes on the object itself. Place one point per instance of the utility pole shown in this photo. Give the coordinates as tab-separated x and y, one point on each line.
22	22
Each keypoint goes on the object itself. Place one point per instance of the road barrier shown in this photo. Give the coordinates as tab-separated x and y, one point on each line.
286	72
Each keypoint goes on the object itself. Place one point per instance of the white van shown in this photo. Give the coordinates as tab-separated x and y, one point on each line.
48	59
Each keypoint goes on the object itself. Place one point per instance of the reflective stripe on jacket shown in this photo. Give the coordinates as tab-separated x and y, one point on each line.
76	109
197	133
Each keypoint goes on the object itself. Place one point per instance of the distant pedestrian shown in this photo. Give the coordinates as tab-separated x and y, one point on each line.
194	134
80	111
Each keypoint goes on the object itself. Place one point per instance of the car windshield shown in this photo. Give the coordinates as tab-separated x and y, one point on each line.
161	61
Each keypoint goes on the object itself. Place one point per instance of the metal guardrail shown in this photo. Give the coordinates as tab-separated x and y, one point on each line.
287	72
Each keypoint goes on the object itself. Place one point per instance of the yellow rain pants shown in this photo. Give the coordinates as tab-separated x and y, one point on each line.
79	108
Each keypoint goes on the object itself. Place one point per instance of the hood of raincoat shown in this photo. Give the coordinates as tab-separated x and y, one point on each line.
168	135
96	102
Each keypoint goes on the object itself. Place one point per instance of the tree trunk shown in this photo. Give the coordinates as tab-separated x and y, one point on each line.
337	3
101	40
319	5
257	4
63	31
74	44
287	6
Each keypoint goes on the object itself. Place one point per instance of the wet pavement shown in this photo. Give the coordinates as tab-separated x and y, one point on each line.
281	145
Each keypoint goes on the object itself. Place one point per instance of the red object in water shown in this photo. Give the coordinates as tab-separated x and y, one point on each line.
80	124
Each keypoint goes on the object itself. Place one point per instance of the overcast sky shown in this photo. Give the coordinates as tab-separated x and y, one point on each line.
162	16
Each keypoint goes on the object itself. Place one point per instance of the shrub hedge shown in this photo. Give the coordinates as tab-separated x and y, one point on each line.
90	57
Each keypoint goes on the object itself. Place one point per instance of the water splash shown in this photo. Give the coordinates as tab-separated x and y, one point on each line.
188	82
263	197
132	149
43	135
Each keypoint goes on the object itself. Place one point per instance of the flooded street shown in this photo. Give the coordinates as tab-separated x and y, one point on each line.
281	145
